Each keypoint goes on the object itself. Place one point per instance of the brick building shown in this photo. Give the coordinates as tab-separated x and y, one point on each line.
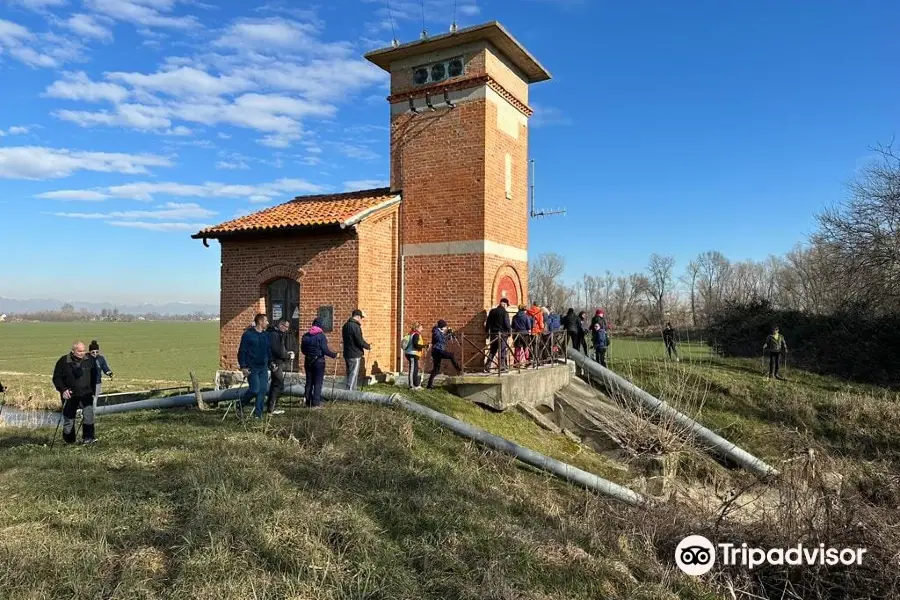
447	239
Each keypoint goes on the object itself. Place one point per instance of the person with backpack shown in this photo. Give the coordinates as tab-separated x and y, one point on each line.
412	345
522	324
314	347
601	343
439	351
775	345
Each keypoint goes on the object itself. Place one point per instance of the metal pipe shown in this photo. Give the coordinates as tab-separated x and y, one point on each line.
719	445
183	400
530	457
526	455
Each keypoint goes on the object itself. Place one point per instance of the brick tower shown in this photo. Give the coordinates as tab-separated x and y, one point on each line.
459	157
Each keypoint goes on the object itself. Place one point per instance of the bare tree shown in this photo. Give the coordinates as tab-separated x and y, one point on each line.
659	281
691	274
864	235
714	272
545	278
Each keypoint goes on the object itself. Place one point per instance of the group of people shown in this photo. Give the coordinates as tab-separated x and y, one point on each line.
264	359
77	377
532	328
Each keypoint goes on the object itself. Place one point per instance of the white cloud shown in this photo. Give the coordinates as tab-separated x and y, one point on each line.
146	191
164	227
170	210
88	26
148	13
355	151
15	130
78	86
183	82
35	162
232	166
39	4
365	184
18	41
278	33
546	116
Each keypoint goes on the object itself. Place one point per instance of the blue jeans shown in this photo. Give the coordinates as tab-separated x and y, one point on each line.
258	385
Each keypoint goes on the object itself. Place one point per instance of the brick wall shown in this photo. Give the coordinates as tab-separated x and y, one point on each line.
378	290
505	74
506	220
438	160
330	276
473	60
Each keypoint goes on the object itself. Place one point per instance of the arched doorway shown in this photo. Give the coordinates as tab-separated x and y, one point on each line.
506	288
283	302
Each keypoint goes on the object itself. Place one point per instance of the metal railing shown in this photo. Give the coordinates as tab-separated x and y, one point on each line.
501	353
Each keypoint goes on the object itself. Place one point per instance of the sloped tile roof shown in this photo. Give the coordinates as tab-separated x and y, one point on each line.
309	211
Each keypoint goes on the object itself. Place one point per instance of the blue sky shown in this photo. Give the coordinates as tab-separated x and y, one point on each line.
671	127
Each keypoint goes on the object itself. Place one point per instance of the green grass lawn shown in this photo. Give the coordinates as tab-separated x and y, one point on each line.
142	355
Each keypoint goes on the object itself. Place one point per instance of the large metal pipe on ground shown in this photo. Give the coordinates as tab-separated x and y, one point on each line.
526	455
618	384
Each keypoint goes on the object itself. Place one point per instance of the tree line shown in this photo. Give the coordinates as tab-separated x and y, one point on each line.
68	314
850	264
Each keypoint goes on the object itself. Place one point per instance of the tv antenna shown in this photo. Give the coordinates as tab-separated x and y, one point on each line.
541	213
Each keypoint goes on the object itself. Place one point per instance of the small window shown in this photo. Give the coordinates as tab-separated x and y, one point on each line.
326	317
508	176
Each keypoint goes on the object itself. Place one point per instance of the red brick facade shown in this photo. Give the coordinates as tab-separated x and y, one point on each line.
459	233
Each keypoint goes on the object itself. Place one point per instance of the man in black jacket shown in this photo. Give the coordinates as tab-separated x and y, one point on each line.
498	328
74	377
281	359
354	346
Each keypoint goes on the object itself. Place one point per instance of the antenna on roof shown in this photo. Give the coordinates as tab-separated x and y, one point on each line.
453	27
424	35
395	42
541	213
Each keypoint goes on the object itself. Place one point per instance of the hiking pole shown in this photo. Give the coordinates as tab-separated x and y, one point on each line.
238	400
334	377
58	422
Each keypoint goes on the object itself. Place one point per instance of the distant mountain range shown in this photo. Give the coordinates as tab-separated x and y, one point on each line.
10	306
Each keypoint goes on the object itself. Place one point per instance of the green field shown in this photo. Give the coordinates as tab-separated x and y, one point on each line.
141	355
157	354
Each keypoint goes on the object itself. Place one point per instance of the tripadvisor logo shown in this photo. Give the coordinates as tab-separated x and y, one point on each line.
696	555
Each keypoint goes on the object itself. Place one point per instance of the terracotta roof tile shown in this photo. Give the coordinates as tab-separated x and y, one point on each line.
307	211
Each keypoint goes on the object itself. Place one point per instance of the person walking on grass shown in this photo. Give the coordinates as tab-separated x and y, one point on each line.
669	339
74	377
254	358
775	346
412	349
601	343
439	351
314	347
498	328
281	359
102	368
354	346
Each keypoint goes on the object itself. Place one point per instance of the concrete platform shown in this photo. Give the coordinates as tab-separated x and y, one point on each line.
530	387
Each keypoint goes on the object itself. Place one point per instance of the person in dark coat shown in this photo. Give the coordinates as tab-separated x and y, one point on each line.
413	352
314	346
583	330
354	346
281	360
254	358
74	378
601	343
669	340
570	325
498	328
439	351
522	324
599	317
102	368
